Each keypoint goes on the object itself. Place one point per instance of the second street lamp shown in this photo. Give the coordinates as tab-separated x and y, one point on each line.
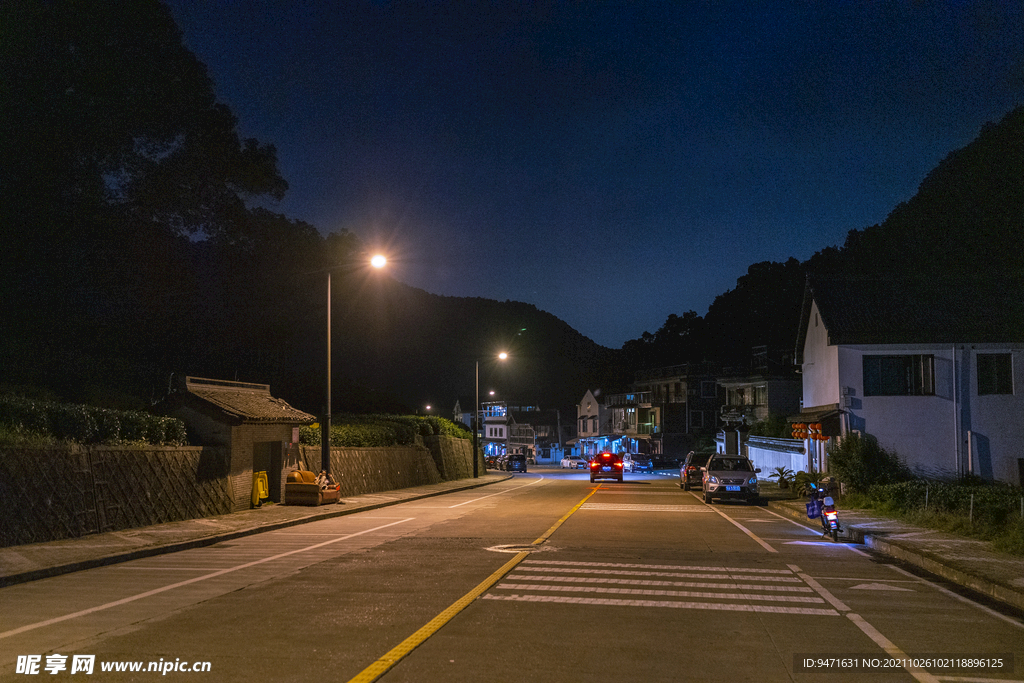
377	261
476	418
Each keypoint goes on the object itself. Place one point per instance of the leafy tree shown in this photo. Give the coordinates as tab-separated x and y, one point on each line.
115	151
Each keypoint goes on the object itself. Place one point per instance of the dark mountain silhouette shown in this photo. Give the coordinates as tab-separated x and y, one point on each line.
966	220
964	226
129	250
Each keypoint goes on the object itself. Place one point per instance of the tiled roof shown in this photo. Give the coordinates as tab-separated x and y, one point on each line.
907	311
245	401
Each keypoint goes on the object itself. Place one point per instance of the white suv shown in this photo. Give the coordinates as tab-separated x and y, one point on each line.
729	477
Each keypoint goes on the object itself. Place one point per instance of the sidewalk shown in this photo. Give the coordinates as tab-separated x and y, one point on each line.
38	560
964	561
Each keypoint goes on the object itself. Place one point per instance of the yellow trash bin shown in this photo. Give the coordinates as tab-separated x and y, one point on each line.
260	488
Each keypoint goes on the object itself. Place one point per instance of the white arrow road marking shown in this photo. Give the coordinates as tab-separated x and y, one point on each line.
879	587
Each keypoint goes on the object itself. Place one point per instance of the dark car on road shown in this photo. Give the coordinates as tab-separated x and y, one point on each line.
689	471
730	477
515	463
606	466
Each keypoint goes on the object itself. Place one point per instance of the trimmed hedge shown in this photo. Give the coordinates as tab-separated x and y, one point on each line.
383	430
88	425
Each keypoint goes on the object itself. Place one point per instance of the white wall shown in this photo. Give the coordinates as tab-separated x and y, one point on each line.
820	364
767	458
996	421
931	432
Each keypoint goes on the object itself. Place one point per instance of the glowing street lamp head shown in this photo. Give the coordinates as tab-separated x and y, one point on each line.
502	355
378	261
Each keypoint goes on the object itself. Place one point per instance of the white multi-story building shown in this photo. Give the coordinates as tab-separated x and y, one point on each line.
933	372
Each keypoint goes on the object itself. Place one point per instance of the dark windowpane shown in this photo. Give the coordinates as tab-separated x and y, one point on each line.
899	375
995	373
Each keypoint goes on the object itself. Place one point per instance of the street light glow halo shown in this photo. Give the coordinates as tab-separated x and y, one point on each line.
502	355
378	261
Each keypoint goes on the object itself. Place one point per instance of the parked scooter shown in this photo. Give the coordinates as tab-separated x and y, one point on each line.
823	506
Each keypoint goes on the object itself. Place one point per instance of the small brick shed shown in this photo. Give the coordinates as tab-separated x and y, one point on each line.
259	432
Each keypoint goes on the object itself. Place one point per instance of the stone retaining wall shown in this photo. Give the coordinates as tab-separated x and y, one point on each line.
69	491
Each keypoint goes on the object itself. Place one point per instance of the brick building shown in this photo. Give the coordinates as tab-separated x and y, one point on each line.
258	430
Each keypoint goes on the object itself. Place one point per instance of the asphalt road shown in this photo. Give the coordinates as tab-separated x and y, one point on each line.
545	577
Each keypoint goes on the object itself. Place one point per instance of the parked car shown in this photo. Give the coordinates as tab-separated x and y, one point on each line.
689	471
606	466
637	463
515	463
729	477
492	462
573	462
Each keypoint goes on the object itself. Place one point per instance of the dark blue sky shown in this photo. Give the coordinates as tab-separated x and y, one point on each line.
611	163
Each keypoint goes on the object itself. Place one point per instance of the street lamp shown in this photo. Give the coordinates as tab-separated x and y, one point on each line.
476	417
377	261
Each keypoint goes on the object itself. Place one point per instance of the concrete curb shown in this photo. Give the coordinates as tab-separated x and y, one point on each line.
918	557
204	541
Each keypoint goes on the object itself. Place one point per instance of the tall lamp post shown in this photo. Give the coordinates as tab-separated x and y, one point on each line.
476	418
377	262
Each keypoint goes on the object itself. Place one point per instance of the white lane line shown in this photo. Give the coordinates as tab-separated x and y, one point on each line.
732	575
663	593
848	546
744	529
626	565
821	590
983	608
535	481
720	606
671	584
975	679
890	648
156	591
946	591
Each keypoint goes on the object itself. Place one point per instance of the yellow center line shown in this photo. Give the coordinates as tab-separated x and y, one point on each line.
400	651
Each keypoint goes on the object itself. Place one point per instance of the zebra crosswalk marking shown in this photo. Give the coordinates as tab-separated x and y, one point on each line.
620	584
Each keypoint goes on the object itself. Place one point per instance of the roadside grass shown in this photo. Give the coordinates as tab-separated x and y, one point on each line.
1005	532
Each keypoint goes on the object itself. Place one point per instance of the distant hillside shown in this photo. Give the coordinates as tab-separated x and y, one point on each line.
966	220
965	225
423	347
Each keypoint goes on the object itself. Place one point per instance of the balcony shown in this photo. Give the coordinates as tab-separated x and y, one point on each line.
635	398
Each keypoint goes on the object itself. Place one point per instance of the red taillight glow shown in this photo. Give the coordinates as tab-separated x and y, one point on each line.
619	465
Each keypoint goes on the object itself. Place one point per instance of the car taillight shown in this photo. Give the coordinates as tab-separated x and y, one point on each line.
619	465
594	465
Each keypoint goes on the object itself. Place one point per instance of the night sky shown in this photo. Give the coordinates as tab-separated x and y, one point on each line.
610	163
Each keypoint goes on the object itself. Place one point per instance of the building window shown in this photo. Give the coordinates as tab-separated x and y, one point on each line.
995	373
912	375
760	396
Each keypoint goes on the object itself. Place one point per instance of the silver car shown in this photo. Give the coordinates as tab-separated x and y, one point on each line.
729	477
